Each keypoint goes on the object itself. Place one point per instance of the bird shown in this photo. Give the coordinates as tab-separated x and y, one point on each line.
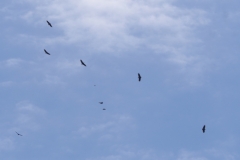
139	77
49	24
204	128
101	102
18	134
46	52
103	109
82	63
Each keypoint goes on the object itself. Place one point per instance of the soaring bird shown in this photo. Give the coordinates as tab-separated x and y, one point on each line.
139	77
103	109
49	24
82	62
46	52
18	134
203	128
101	102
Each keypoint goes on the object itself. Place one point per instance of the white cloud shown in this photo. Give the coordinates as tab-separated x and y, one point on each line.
25	106
222	154
52	80
118	27
6	144
132	153
15	63
128	153
187	155
6	84
28	116
108	130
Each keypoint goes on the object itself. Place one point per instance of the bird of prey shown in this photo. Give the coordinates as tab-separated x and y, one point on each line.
18	134
46	52
103	109
139	77
101	102
82	62
49	24
204	128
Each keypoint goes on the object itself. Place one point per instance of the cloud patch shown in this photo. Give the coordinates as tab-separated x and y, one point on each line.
119	26
107	130
28	116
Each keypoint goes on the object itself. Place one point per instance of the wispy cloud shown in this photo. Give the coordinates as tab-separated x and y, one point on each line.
120	26
6	144
15	63
187	155
28	116
6	83
108	130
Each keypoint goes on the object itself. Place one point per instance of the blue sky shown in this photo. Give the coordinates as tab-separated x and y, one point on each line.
186	52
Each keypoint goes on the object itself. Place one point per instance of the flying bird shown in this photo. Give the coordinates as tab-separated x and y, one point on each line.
46	52
82	62
204	128
103	109
139	77
101	102
18	134
49	24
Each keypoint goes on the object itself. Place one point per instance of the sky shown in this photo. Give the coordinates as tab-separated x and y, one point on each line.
187	52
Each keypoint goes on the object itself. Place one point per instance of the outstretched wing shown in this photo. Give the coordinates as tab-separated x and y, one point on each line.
46	52
139	77
204	128
83	63
49	24
18	134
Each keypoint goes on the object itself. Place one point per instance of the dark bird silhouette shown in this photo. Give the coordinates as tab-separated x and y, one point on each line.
139	77
103	109
101	102
49	24
83	63
46	52
203	129
18	134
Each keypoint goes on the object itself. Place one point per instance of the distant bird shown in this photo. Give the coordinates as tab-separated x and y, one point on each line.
46	52
101	102
203	129
49	24
18	134
94	85
82	63
139	77
103	109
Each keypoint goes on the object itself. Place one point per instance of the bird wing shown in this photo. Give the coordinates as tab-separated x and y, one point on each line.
46	52
49	24
83	63
18	133
203	129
